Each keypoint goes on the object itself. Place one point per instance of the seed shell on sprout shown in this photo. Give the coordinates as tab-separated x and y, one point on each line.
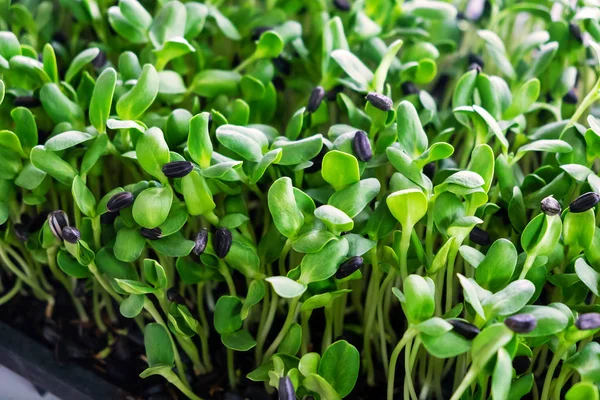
316	97
362	146
151	234
584	202
348	267
550	206
380	101
71	234
222	242
120	201
464	329
521	323
286	389
177	169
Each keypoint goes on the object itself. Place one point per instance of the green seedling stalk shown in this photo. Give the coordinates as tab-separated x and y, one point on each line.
289	319
406	338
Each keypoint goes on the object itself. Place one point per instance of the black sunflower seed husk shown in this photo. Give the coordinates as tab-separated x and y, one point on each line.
409	88
475	59
464	329
151	234
575	31
259	30
286	389
108	218
475	66
175	297
317	161
177	169
120	201
332	94
282	65
222	242
315	99
588	321
362	146
550	206
571	97
342	5
479	236
584	202
429	170
27	101
348	267
21	232
380	101
521	364
71	234
521	323
100	60
57	220
200	242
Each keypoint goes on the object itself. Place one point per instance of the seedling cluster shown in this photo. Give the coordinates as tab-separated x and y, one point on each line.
319	199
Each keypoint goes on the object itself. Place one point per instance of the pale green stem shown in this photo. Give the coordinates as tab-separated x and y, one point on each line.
291	315
408	335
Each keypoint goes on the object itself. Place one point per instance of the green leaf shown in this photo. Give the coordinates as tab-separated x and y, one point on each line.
102	97
428	9
334	219
249	143
583	391
132	306
497	51
586	362
224	24
174	245
411	136
196	193
407	206
47	161
137	100
523	99
292	341
80	60
59	107
256	292
316	383
550	320
134	287
199	143
70	266
155	274
502	377
323	264
322	300
588	276
355	197
496	269
212	82
470	293
384	66
115	268
487	343
269	45
96	150
448	345
509	300
159	349
340	169
25	127
169	23
286	287
339	367
241	340
152	152
313	241
83	197
420	302
287	217
67	139
299	151
355	68
227	314
151	207
129	245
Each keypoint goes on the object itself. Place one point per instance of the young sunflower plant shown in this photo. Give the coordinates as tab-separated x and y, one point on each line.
319	199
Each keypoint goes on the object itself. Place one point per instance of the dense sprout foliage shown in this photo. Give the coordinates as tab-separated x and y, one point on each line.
373	199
